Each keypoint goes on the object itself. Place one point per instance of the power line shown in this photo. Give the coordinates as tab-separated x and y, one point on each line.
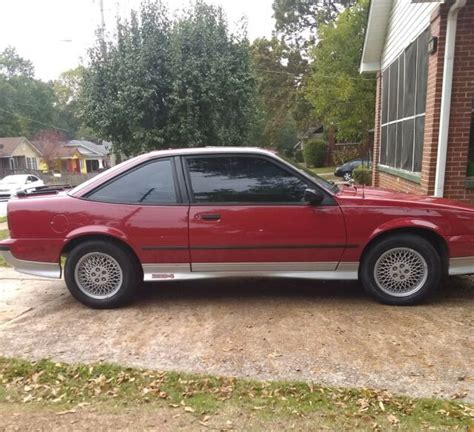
35	121
300	75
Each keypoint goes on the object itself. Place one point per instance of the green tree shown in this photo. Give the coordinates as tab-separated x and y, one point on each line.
66	89
12	65
341	97
163	83
278	71
298	20
213	89
28	105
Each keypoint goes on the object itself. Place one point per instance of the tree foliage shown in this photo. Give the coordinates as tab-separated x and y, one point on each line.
164	83
298	20
29	105
315	152
277	70
341	96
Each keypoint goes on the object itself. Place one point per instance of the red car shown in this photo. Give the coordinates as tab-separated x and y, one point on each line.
217	212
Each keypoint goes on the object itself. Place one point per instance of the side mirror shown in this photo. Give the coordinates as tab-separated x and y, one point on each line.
313	196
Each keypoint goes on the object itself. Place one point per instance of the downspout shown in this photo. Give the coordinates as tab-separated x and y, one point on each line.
445	109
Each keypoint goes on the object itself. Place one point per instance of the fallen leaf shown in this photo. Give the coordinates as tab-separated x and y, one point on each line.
72	411
189	409
393	419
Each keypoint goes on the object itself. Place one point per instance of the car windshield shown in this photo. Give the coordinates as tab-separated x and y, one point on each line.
328	185
14	180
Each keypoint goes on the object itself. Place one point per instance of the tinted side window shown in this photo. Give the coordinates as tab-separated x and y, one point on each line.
148	184
237	179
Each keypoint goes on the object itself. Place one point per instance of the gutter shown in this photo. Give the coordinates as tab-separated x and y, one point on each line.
445	109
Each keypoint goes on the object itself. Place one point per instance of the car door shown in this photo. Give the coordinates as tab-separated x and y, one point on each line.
145	205
248	213
32	183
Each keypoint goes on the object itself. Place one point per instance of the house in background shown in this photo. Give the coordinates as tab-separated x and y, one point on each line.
423	54
73	157
18	154
95	157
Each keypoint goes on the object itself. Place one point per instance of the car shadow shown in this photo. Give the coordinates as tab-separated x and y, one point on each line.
457	289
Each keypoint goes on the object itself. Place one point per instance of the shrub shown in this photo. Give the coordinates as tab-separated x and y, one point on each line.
299	156
362	175
315	153
345	154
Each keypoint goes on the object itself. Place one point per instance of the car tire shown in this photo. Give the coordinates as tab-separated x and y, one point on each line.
401	270
101	274
347	176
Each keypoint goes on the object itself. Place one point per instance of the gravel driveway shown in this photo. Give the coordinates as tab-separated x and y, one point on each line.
330	333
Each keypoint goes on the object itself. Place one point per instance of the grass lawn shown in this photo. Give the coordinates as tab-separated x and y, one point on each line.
46	386
3	219
3	234
324	170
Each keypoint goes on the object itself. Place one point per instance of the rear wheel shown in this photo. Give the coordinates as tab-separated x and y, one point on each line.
101	275
401	270
347	176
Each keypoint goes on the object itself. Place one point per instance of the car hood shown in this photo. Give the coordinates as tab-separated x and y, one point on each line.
8	186
374	196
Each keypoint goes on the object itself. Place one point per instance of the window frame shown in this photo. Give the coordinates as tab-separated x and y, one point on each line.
178	190
327	200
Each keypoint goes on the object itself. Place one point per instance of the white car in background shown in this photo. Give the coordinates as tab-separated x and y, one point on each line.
12	184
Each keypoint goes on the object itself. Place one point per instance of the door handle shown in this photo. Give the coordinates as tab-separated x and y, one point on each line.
211	217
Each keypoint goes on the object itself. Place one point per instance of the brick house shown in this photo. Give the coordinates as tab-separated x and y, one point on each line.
423	54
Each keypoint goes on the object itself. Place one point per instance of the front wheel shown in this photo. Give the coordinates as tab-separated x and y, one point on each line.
347	176
401	270
101	275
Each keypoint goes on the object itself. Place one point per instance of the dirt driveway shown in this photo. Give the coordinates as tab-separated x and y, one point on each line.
330	333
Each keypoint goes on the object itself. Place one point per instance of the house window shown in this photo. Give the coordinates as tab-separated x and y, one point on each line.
92	165
31	164
404	85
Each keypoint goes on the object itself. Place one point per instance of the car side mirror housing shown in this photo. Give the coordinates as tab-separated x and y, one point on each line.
313	196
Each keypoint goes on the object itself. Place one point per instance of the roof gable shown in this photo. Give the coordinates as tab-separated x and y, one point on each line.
8	145
377	25
391	26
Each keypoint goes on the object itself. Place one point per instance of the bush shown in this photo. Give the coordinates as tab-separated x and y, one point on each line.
344	155
299	156
315	153
362	175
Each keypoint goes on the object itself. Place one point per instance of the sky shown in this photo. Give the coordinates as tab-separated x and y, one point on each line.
55	34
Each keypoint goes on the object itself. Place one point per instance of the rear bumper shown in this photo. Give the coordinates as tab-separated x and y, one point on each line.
461	265
43	269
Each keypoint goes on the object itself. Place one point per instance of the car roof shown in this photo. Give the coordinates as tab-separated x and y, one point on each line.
209	150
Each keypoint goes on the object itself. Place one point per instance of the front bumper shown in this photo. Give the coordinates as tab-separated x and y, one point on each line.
43	269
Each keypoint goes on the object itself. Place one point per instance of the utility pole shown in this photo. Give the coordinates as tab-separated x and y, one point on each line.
102	17
102	20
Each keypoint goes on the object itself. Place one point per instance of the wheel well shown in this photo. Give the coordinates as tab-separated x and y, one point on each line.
88	237
434	238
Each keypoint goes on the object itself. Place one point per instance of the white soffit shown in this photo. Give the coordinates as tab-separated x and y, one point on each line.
377	24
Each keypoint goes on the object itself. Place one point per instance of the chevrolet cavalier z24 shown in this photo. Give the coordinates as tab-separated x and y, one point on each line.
219	212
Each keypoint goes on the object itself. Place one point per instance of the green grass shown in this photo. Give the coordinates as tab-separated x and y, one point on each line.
46	384
324	170
3	219
3	234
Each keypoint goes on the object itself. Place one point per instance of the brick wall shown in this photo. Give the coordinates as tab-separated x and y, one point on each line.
461	112
461	108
